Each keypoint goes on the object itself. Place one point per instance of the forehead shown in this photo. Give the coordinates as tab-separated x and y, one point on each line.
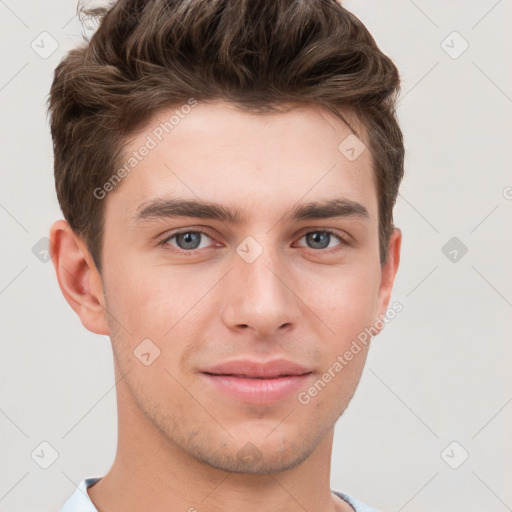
216	151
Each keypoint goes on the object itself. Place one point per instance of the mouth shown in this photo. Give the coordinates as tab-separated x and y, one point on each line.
251	368
255	381
246	376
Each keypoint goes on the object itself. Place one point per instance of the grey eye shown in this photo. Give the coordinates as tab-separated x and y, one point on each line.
188	240
318	239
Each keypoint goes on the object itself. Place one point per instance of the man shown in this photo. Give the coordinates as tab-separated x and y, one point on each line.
227	171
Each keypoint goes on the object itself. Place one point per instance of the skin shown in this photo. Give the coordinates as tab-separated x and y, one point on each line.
179	437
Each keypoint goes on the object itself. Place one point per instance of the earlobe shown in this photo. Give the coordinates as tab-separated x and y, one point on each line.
78	278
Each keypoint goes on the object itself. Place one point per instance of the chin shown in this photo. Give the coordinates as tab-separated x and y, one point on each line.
251	460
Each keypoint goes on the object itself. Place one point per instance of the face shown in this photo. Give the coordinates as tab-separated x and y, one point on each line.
190	289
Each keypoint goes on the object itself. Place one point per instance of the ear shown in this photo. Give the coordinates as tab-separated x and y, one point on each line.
388	273
79	280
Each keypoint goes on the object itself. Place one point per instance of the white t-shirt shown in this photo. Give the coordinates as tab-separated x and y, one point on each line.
80	501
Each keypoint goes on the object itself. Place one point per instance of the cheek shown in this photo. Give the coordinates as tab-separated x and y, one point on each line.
344	297
135	299
347	306
156	301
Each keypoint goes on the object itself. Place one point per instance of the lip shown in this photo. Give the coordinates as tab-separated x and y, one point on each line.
255	369
255	382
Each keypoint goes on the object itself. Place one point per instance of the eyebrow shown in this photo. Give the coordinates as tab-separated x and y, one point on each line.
171	208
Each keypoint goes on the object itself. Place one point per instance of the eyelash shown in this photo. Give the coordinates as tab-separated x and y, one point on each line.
343	242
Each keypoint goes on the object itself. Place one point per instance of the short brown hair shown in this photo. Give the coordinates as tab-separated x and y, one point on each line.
148	55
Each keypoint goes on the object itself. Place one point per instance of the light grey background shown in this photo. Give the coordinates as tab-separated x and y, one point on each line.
438	373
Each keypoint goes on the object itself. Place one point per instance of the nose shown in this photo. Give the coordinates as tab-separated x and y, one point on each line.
259	295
